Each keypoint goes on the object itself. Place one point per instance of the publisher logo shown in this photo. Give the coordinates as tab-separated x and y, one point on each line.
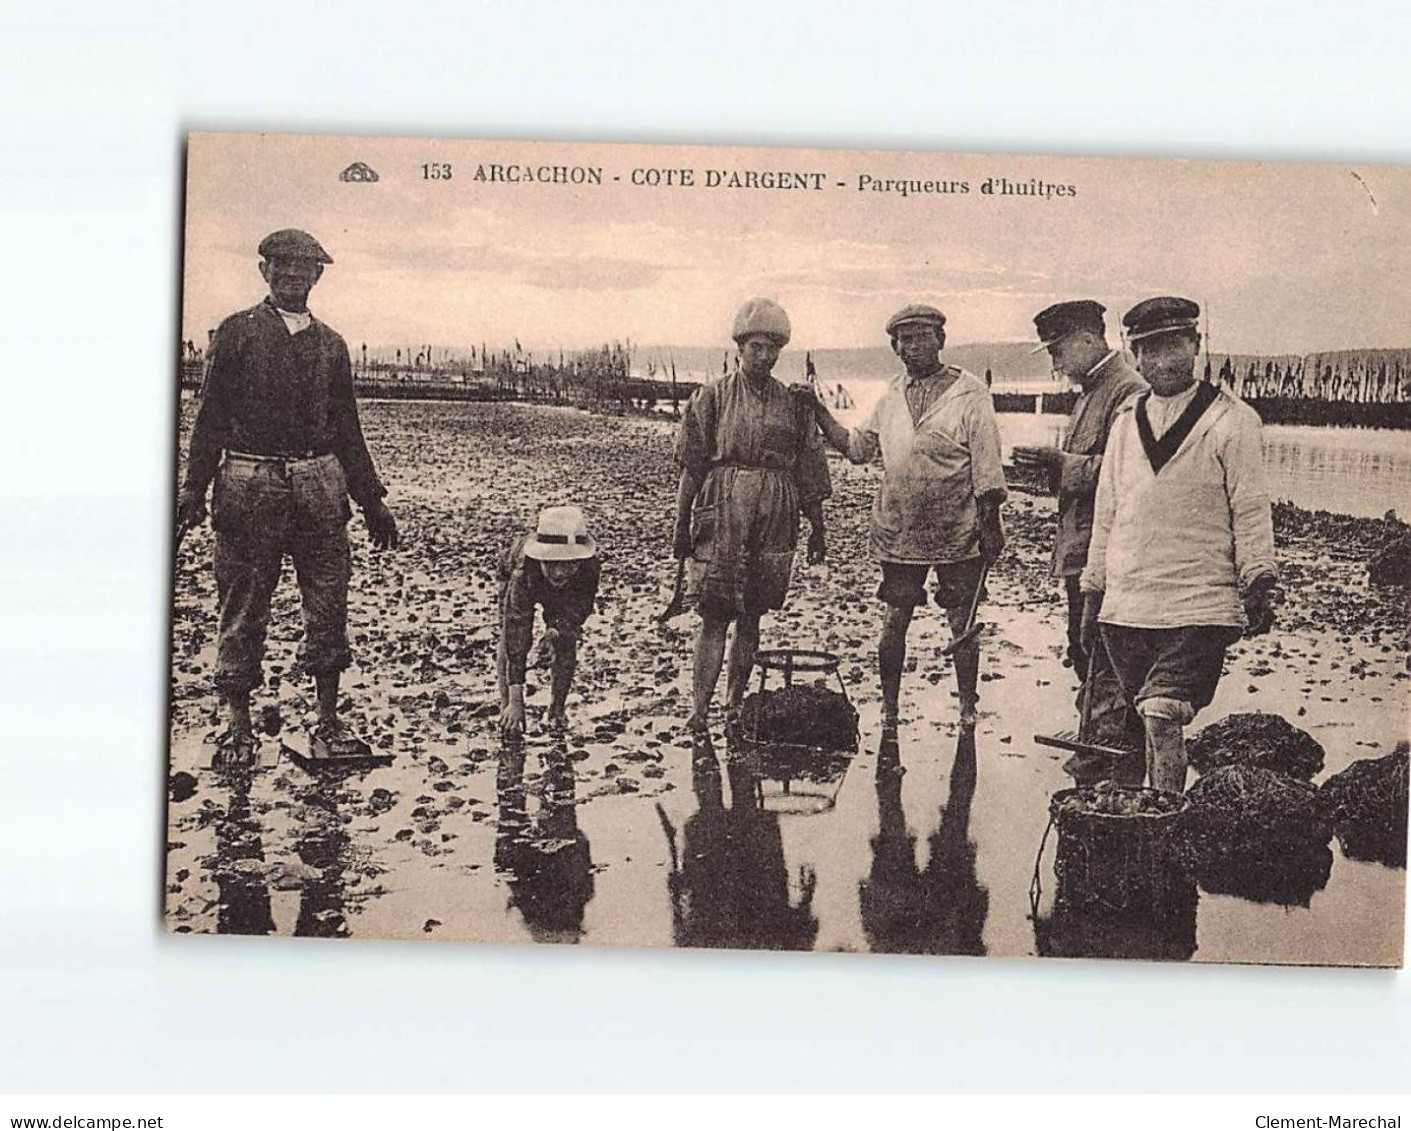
359	173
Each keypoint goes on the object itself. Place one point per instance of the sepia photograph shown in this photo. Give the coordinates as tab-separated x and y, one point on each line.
790	549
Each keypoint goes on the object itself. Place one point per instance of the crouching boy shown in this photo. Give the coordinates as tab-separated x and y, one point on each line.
556	568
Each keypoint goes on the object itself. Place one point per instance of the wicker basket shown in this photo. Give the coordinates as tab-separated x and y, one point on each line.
1121	862
789	662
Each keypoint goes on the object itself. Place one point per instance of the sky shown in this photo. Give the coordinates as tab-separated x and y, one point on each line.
1285	258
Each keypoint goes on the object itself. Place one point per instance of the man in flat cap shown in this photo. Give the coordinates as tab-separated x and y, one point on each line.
1182	555
938	508
1075	336
277	430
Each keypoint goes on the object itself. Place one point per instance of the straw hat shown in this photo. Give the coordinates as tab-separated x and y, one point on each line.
562	536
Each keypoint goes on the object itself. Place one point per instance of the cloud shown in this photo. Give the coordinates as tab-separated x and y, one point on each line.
563	271
1286	257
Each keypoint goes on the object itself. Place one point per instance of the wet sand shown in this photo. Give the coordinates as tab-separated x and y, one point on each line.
617	836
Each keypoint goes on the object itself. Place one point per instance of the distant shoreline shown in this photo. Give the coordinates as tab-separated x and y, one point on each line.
1272	410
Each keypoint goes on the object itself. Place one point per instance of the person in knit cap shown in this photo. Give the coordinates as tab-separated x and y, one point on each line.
751	463
1181	562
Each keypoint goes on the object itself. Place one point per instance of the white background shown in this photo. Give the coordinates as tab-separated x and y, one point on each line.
94	101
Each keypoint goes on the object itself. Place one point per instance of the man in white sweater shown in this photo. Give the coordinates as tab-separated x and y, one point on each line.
1182	556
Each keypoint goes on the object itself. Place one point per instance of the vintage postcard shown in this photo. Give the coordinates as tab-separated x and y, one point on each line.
791	549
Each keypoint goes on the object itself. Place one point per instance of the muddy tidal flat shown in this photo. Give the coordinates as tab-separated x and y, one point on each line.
619	833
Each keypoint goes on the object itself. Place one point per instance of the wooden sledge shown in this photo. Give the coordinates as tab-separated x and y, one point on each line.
311	753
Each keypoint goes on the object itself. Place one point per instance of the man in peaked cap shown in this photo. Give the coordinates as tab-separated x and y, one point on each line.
1075	336
277	430
1182	555
937	510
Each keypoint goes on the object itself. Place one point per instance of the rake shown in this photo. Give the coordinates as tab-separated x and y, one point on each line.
1074	740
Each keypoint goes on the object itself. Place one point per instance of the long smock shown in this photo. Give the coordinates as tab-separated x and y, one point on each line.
935	469
758	457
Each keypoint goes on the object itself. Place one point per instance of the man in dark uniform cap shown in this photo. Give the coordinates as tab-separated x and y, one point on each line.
1182	555
277	430
938	508
1075	336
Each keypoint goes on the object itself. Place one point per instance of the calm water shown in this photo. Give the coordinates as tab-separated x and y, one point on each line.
925	847
1355	471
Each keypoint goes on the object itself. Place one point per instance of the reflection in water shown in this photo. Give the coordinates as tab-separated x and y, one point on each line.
547	862
938	910
1347	470
1154	915
323	846
243	878
239	868
1374	845
1285	874
1093	931
730	885
800	781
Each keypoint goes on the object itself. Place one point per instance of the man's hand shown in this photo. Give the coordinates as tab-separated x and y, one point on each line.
1088	632
803	393
681	543
512	715
1048	458
190	510
836	435
381	526
817	546
1260	600
991	531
